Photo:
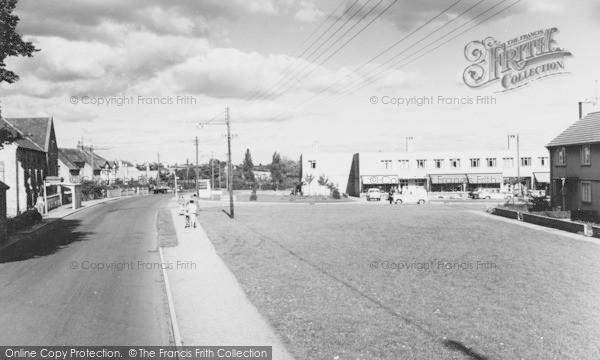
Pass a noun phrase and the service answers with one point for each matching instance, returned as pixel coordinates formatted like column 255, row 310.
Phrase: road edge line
column 172, row 314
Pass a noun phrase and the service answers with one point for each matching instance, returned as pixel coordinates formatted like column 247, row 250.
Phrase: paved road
column 51, row 296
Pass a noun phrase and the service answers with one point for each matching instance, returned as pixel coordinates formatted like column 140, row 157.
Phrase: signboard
column 380, row 179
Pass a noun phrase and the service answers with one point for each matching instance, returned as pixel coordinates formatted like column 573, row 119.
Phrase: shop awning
column 448, row 178
column 494, row 178
column 379, row 179
column 542, row 177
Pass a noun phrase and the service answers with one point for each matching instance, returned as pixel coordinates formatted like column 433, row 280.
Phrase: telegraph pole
column 196, row 172
column 229, row 165
column 212, row 168
column 158, row 170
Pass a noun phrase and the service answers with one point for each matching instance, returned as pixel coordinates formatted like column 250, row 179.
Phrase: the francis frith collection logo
column 514, row 63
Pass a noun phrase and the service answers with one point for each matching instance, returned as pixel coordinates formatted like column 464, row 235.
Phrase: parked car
column 412, row 196
column 495, row 194
column 536, row 193
column 374, row 194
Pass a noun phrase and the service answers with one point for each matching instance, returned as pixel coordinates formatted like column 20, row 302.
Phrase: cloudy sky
column 296, row 74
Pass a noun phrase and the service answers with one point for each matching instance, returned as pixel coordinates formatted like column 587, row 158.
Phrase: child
column 191, row 212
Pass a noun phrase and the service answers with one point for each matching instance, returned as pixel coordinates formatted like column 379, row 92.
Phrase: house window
column 386, row 164
column 491, row 162
column 526, row 161
column 312, row 164
column 474, row 163
column 439, row 163
column 455, row 163
column 508, row 162
column 543, row 161
column 403, row 164
column 586, row 191
column 560, row 157
column 421, row 164
column 586, row 155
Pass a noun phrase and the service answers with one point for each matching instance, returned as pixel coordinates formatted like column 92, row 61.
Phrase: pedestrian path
column 210, row 306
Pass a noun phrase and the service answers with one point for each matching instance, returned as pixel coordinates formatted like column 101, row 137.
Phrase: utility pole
column 212, row 168
column 519, row 168
column 196, row 172
column 158, row 170
column 229, row 165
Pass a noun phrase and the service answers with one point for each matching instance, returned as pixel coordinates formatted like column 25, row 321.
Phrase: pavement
column 210, row 306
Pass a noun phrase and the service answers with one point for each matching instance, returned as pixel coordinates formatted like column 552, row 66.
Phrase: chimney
column 580, row 110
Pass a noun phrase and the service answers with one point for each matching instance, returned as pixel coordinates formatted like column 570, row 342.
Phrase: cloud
column 308, row 12
column 81, row 19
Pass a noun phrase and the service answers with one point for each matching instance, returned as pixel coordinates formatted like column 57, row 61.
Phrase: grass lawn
column 412, row 282
column 288, row 199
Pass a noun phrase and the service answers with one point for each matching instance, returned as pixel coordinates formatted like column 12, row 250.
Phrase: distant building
column 436, row 171
column 575, row 170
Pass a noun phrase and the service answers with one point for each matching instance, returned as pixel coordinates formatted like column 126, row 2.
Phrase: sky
column 136, row 78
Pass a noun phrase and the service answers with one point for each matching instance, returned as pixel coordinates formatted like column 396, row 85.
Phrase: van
column 412, row 195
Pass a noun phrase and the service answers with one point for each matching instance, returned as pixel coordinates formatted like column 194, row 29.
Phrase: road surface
column 56, row 294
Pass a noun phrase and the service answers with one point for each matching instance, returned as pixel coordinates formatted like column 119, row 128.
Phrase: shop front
column 386, row 182
column 464, row 182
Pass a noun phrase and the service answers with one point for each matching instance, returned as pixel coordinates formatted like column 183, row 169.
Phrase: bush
column 336, row 194
column 539, row 204
column 253, row 196
column 28, row 218
column 589, row 216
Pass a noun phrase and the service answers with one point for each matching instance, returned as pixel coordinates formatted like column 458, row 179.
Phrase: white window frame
column 586, row 149
column 586, row 196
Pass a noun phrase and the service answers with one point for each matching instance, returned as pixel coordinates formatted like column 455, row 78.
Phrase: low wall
column 596, row 231
column 554, row 223
column 511, row 214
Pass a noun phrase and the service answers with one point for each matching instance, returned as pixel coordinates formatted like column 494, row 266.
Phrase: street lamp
column 408, row 138
column 518, row 162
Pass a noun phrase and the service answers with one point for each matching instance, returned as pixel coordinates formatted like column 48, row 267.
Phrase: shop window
column 586, row 155
column 474, row 163
column 586, row 191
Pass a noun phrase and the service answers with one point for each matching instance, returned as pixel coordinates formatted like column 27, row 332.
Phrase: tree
column 11, row 43
column 8, row 136
column 248, row 169
column 276, row 171
column 309, row 178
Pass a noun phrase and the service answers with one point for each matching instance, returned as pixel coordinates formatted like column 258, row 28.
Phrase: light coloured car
column 374, row 194
column 495, row 194
column 412, row 196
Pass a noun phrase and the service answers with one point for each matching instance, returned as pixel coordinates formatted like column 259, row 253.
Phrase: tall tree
column 248, row 169
column 276, row 170
column 11, row 43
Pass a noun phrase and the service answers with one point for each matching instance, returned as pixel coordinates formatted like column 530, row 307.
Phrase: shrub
column 253, row 196
column 539, row 204
column 23, row 220
column 336, row 194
